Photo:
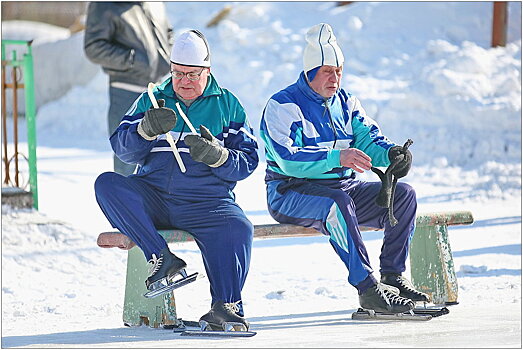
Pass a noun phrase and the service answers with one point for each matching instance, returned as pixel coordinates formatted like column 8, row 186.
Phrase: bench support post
column 431, row 264
column 137, row 309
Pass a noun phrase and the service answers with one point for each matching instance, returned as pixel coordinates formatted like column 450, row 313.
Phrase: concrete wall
column 59, row 13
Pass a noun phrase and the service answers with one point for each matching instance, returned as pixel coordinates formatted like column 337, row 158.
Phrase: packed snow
column 423, row 70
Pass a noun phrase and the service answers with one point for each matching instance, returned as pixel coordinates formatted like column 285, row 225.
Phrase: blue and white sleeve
column 238, row 138
column 368, row 136
column 127, row 144
column 283, row 130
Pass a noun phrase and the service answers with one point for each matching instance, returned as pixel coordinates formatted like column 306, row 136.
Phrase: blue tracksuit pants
column 336, row 208
column 219, row 226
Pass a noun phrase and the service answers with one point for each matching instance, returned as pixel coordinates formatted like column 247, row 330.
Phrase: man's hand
column 157, row 121
column 206, row 148
column 403, row 158
column 355, row 159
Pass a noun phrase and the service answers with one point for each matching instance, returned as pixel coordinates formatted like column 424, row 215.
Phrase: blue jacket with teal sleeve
column 304, row 133
column 221, row 112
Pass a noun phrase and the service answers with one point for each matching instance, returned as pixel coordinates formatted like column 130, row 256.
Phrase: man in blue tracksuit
column 316, row 135
column 199, row 200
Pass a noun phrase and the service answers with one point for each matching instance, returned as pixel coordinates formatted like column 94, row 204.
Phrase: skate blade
column 226, row 327
column 208, row 330
column 234, row 327
column 162, row 286
column 218, row 334
column 363, row 314
column 434, row 311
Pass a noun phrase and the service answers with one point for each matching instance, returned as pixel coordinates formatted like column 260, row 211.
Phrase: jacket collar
column 211, row 89
column 305, row 88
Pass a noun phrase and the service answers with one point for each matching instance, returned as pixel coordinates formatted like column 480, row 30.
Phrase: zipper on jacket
column 327, row 109
column 171, row 180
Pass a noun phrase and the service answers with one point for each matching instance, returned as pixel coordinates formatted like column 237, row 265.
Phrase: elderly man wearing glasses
column 195, row 193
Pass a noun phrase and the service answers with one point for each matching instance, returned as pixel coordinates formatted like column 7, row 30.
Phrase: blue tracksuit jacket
column 221, row 112
column 304, row 133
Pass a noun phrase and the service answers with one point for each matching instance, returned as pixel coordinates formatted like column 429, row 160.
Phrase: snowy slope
column 442, row 86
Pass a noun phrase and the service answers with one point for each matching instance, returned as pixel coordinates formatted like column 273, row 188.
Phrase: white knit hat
column 191, row 49
column 322, row 48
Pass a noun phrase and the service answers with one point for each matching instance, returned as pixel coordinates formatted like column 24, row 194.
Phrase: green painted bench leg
column 432, row 267
column 138, row 310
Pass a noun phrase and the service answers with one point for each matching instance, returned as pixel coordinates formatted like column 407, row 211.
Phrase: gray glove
column 206, row 148
column 157, row 121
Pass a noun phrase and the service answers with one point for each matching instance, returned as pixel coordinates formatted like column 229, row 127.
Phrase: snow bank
column 458, row 102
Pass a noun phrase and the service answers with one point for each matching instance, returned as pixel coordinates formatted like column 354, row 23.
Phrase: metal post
column 30, row 115
column 4, row 118
column 15, row 119
column 499, row 24
column 30, row 111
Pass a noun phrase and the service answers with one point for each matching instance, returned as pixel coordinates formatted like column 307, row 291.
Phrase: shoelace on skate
column 232, row 307
column 156, row 264
column 407, row 285
column 388, row 294
column 392, row 289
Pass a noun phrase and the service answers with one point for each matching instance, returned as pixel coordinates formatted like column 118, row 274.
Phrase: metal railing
column 26, row 66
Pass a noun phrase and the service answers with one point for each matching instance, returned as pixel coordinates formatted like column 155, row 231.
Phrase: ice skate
column 383, row 298
column 222, row 321
column 406, row 289
column 162, row 271
column 223, row 317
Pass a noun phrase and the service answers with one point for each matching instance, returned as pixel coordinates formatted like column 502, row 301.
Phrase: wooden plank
column 448, row 218
column 117, row 239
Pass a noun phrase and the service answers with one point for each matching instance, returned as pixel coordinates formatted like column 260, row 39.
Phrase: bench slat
column 117, row 239
column 448, row 218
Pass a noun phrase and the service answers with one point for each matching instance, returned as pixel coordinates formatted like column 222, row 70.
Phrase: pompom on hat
column 322, row 48
column 191, row 49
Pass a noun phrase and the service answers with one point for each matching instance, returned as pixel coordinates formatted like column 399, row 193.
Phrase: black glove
column 400, row 160
column 157, row 121
column 206, row 148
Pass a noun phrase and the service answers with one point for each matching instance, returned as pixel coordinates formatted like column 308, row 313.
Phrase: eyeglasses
column 192, row 76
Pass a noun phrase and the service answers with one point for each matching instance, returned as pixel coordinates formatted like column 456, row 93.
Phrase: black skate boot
column 405, row 287
column 223, row 317
column 164, row 267
column 385, row 299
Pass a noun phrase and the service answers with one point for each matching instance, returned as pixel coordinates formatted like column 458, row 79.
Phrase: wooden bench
column 432, row 267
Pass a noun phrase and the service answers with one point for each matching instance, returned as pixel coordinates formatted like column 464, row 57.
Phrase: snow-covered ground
column 423, row 70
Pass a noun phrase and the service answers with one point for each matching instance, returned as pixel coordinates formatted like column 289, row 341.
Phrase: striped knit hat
column 322, row 48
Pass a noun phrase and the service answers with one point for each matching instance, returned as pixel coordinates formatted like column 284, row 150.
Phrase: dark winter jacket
column 130, row 40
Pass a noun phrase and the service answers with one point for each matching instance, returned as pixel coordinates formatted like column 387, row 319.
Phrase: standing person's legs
column 224, row 235
column 330, row 211
column 396, row 239
column 119, row 102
